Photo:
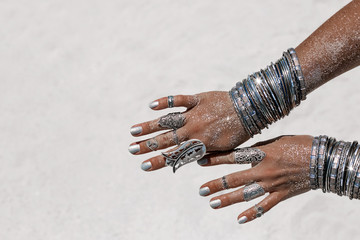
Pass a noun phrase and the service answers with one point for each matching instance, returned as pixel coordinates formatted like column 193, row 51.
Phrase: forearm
column 333, row 48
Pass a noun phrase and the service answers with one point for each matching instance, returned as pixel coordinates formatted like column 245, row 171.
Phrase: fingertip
column 203, row 161
column 215, row 203
column 134, row 148
column 242, row 219
column 146, row 165
column 136, row 130
column 204, row 191
column 154, row 104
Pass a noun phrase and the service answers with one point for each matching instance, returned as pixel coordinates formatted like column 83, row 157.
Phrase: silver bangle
column 268, row 95
column 313, row 163
column 321, row 161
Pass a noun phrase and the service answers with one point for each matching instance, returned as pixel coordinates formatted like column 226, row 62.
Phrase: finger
column 259, row 209
column 145, row 128
column 217, row 159
column 233, row 180
column 154, row 125
column 161, row 141
column 239, row 156
column 153, row 163
column 188, row 101
column 235, row 197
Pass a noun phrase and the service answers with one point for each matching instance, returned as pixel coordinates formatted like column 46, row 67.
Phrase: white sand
column 75, row 75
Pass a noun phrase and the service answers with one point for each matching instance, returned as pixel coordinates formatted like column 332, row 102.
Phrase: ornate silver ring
column 152, row 144
column 170, row 101
column 259, row 211
column 248, row 155
column 187, row 152
column 224, row 183
column 253, row 191
column 172, row 121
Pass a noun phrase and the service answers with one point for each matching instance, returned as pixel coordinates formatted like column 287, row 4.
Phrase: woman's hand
column 210, row 117
column 283, row 173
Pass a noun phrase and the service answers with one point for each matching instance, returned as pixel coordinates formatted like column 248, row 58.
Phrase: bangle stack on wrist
column 335, row 166
column 270, row 94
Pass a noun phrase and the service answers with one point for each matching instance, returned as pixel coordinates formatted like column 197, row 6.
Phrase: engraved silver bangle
column 269, row 94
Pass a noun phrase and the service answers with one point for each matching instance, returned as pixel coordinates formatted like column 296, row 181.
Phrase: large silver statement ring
column 170, row 101
column 224, row 183
column 248, row 155
column 152, row 144
column 187, row 152
column 253, row 191
column 259, row 211
column 172, row 121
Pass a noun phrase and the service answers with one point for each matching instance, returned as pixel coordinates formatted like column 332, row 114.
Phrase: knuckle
column 180, row 98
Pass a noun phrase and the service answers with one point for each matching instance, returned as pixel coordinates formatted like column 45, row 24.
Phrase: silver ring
column 259, row 211
column 170, row 101
column 175, row 137
column 152, row 144
column 253, row 191
column 189, row 151
column 248, row 155
column 172, row 121
column 224, row 183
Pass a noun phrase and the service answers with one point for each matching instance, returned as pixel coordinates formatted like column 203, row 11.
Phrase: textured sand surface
column 75, row 75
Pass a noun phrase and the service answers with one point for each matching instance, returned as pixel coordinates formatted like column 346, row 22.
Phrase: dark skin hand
column 210, row 117
column 283, row 173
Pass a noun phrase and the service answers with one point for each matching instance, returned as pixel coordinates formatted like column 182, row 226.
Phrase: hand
column 283, row 173
column 210, row 117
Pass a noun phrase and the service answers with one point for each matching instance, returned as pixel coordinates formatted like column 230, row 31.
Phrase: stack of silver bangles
column 270, row 94
column 335, row 166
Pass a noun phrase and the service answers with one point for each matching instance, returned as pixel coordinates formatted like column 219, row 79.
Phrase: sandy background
column 75, row 75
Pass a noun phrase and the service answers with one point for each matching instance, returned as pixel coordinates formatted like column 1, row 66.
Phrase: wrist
column 269, row 94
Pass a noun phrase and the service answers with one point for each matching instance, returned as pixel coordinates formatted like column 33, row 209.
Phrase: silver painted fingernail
column 242, row 220
column 204, row 191
column 136, row 130
column 146, row 166
column 154, row 104
column 134, row 148
column 202, row 161
column 215, row 203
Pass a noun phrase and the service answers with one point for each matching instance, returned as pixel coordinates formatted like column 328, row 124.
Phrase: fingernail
column 204, row 191
column 154, row 104
column 215, row 203
column 146, row 166
column 136, row 130
column 203, row 161
column 134, row 148
column 242, row 220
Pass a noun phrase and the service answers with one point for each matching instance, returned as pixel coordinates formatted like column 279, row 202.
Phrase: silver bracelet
column 313, row 163
column 321, row 160
column 270, row 94
column 335, row 166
